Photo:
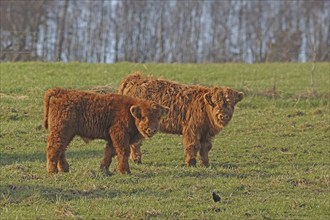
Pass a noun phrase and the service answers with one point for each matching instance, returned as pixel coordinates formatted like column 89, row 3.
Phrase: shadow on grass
column 11, row 158
column 19, row 193
column 152, row 170
column 203, row 175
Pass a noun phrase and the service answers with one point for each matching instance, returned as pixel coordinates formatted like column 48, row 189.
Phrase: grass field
column 271, row 162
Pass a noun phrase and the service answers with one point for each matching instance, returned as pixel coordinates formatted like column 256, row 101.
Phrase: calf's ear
column 135, row 111
column 239, row 97
column 208, row 99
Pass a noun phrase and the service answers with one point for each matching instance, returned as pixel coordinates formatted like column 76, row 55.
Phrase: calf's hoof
column 135, row 158
column 105, row 170
column 191, row 163
column 205, row 164
column 63, row 168
column 137, row 161
column 124, row 171
column 52, row 168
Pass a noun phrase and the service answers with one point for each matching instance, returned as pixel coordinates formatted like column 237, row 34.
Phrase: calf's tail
column 48, row 94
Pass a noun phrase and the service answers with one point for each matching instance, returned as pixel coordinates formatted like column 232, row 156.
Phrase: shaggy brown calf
column 118, row 119
column 196, row 112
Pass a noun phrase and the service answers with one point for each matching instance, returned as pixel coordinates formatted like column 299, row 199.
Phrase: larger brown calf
column 196, row 112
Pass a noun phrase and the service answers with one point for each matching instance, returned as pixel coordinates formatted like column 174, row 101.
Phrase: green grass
column 271, row 162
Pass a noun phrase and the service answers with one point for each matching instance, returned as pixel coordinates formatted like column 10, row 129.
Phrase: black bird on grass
column 216, row 197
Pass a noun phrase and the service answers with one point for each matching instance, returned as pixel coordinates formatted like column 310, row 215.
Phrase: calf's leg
column 204, row 153
column 52, row 154
column 135, row 154
column 192, row 147
column 109, row 153
column 120, row 142
column 62, row 164
column 55, row 152
column 123, row 165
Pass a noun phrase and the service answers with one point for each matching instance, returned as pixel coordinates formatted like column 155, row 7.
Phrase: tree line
column 185, row 31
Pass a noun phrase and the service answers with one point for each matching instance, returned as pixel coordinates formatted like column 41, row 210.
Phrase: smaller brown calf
column 118, row 119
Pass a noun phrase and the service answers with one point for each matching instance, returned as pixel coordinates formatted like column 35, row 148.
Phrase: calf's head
column 147, row 116
column 221, row 103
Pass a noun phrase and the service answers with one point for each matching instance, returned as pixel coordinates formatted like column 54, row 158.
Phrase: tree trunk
column 60, row 31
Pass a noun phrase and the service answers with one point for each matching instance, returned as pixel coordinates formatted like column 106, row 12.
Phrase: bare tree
column 165, row 31
column 19, row 28
column 60, row 30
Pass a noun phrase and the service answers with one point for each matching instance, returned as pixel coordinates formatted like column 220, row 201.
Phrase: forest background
column 165, row 31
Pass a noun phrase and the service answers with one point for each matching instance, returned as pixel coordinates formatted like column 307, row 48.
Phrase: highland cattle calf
column 196, row 112
column 118, row 119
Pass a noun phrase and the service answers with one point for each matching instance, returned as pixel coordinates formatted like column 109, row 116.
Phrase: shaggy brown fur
column 118, row 119
column 196, row 112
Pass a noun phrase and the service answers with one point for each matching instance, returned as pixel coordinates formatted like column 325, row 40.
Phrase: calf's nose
column 151, row 131
column 224, row 117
